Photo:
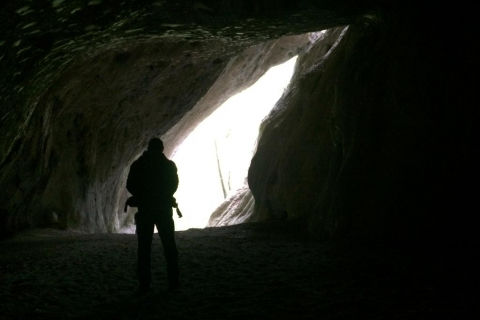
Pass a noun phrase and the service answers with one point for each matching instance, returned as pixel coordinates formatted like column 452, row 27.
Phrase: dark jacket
column 152, row 181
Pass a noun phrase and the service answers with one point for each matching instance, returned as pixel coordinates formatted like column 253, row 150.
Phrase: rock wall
column 240, row 72
column 373, row 140
column 99, row 113
column 79, row 78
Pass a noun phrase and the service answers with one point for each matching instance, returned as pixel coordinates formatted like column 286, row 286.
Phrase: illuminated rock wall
column 98, row 114
column 86, row 83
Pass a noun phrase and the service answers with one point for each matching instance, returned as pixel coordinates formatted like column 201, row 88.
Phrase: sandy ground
column 250, row 271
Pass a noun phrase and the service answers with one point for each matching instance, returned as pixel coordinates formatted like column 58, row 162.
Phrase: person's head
column 155, row 145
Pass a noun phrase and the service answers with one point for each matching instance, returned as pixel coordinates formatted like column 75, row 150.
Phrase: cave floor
column 253, row 271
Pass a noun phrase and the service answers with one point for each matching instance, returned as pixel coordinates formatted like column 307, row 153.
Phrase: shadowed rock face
column 374, row 141
column 373, row 130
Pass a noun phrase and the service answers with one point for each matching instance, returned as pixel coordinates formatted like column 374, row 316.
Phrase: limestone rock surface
column 373, row 139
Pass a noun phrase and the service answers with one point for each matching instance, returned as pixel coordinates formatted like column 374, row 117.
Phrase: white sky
column 233, row 127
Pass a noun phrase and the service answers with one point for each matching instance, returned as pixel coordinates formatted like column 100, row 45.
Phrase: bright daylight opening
column 213, row 160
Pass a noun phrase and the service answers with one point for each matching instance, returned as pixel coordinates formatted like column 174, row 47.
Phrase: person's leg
column 166, row 231
column 144, row 232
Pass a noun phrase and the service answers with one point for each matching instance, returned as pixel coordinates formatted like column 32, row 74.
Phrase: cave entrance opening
column 213, row 160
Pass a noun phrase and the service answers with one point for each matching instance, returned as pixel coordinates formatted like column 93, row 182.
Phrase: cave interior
column 371, row 146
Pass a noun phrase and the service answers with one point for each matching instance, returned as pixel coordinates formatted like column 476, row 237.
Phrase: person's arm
column 131, row 202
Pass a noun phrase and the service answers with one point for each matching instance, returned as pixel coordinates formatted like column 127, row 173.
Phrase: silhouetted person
column 152, row 181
